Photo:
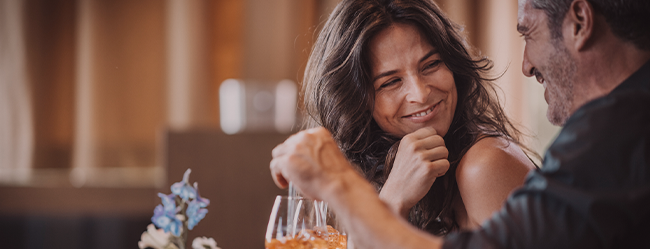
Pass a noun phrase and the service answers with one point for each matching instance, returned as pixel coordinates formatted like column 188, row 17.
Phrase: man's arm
column 530, row 219
column 369, row 221
column 313, row 162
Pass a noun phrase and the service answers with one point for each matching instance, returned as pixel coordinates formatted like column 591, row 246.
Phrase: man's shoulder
column 602, row 139
column 629, row 108
column 628, row 100
column 607, row 121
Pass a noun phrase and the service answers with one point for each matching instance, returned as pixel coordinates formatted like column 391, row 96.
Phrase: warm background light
column 102, row 102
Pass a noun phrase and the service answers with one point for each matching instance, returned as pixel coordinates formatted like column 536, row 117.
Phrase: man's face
column 548, row 59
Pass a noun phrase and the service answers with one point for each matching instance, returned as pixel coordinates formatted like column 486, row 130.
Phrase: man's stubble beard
column 560, row 79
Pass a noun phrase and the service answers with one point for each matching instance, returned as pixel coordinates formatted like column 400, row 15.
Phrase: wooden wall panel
column 227, row 28
column 49, row 37
column 120, row 82
column 232, row 171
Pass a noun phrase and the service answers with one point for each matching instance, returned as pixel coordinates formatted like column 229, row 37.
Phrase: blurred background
column 105, row 103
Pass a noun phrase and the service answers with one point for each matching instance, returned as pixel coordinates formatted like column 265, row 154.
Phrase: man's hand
column 312, row 161
column 421, row 158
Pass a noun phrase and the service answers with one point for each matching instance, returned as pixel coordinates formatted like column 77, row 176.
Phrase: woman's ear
column 579, row 24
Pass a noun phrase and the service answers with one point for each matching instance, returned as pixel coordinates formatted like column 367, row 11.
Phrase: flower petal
column 196, row 216
column 162, row 222
column 168, row 202
column 203, row 243
column 203, row 202
column 176, row 188
column 186, row 176
column 183, row 190
column 175, row 227
column 158, row 235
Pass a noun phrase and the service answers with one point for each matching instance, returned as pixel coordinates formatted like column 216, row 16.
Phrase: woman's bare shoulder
column 488, row 173
column 493, row 156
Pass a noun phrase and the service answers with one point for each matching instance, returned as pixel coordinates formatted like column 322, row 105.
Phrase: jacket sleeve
column 593, row 190
column 530, row 220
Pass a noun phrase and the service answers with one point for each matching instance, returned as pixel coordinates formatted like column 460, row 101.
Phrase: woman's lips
column 424, row 115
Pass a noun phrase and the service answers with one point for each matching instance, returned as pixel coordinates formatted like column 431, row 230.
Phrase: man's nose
column 526, row 67
column 418, row 91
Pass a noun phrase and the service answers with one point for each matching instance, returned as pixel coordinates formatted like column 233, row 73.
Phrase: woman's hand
column 421, row 158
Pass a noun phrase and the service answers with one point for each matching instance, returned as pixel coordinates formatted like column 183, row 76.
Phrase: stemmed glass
column 298, row 222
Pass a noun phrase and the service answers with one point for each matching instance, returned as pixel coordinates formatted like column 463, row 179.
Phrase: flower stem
column 184, row 232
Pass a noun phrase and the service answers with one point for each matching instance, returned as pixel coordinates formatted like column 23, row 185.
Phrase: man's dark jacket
column 593, row 190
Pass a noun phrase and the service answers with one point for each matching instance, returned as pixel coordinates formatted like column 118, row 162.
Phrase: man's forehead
column 520, row 6
column 523, row 15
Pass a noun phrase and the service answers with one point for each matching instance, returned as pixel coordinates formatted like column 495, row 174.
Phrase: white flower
column 204, row 243
column 155, row 238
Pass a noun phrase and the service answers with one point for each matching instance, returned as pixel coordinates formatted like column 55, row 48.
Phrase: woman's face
column 413, row 86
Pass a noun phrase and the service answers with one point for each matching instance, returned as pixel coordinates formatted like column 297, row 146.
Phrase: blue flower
column 195, row 209
column 169, row 202
column 164, row 216
column 195, row 213
column 203, row 202
column 183, row 188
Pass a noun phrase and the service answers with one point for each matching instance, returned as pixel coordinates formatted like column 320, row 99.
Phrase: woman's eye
column 389, row 83
column 432, row 64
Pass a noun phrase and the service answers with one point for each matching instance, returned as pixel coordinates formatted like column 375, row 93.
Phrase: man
column 593, row 191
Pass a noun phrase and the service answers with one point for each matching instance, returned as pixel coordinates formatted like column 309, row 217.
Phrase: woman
column 395, row 85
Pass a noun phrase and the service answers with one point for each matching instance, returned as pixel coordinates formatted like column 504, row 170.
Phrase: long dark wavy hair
column 338, row 94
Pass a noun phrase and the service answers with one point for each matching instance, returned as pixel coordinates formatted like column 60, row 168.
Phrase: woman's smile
column 424, row 115
column 413, row 86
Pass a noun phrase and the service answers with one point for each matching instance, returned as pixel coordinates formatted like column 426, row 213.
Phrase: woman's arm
column 421, row 158
column 487, row 174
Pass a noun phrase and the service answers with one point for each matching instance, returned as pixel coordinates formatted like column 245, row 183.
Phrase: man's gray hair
column 628, row 19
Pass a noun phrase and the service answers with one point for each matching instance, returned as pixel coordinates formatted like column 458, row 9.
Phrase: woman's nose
column 418, row 91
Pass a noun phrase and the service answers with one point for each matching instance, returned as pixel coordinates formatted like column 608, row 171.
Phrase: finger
column 420, row 134
column 426, row 143
column 278, row 150
column 438, row 168
column 436, row 153
column 316, row 136
column 289, row 143
column 431, row 142
column 276, row 174
column 424, row 132
column 318, row 130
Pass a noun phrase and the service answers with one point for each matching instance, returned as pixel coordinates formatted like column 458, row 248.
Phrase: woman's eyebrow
column 383, row 75
column 426, row 56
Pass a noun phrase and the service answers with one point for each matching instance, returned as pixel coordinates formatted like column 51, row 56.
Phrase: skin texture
column 584, row 64
column 410, row 78
column 555, row 68
column 487, row 174
column 420, row 159
column 312, row 161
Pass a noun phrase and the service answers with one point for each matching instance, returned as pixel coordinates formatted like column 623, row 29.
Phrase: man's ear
column 579, row 24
